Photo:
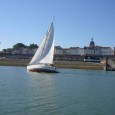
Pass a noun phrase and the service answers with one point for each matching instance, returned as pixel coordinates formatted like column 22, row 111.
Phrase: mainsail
column 45, row 52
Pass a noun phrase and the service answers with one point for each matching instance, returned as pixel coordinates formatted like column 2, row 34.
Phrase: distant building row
column 91, row 50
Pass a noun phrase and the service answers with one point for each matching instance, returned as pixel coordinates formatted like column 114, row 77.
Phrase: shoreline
column 58, row 64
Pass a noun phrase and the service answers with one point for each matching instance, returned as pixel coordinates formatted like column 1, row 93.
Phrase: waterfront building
column 58, row 50
column 106, row 51
column 92, row 49
column 29, row 51
column 72, row 53
column 80, row 51
column 26, row 51
column 17, row 51
column 76, row 51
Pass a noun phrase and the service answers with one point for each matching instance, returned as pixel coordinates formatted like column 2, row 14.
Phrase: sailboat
column 42, row 61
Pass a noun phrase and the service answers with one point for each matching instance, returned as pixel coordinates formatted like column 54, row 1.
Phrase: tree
column 19, row 45
column 4, row 50
column 7, row 50
column 32, row 46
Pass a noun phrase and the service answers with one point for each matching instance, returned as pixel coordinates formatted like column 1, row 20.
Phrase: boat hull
column 42, row 68
column 92, row 60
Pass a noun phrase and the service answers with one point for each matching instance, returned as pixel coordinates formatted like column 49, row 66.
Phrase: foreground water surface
column 70, row 92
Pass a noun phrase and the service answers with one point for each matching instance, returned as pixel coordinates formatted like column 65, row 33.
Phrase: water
column 71, row 92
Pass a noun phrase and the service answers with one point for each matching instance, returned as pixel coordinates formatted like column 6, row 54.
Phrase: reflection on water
column 42, row 91
column 70, row 92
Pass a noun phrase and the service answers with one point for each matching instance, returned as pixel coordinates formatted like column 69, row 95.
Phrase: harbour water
column 70, row 92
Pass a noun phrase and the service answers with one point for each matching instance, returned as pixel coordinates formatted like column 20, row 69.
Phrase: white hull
column 91, row 60
column 42, row 68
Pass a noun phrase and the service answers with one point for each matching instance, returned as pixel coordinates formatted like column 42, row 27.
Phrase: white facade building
column 91, row 50
column 29, row 51
column 76, row 51
column 80, row 51
column 58, row 50
column 72, row 50
column 24, row 51
column 106, row 51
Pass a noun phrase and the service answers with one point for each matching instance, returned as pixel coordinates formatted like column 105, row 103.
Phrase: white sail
column 45, row 52
column 48, row 59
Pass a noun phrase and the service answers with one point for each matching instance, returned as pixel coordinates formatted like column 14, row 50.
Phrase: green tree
column 32, row 46
column 4, row 50
column 19, row 45
column 7, row 50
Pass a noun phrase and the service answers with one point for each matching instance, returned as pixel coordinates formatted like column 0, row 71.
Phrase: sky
column 76, row 22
